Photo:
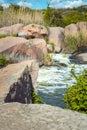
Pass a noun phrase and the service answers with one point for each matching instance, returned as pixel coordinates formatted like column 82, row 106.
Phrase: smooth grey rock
column 17, row 116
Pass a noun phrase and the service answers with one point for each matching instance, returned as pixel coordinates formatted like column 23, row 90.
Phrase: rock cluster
column 17, row 81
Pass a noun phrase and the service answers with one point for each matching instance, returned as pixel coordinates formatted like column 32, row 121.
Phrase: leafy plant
column 3, row 60
column 37, row 99
column 2, row 36
column 14, row 35
column 76, row 95
column 53, row 45
column 47, row 59
column 46, row 39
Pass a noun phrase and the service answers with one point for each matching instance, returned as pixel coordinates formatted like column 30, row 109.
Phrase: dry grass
column 10, row 17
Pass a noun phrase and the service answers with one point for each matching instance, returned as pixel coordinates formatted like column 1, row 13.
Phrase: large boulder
column 10, row 41
column 15, row 116
column 71, row 30
column 56, row 36
column 20, row 49
column 23, row 52
column 33, row 31
column 39, row 43
column 82, row 28
column 11, row 30
column 80, row 58
column 17, row 81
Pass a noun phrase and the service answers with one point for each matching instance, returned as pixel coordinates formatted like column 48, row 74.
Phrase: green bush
column 46, row 39
column 53, row 45
column 3, row 60
column 47, row 59
column 37, row 99
column 76, row 95
column 2, row 36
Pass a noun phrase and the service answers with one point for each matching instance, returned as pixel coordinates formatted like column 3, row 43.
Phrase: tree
column 1, row 8
column 14, row 7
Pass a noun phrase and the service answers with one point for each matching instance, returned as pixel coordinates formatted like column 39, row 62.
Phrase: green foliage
column 46, row 39
column 47, row 59
column 2, row 36
column 1, row 8
column 76, row 95
column 14, row 7
column 53, row 45
column 64, row 17
column 37, row 99
column 14, row 35
column 3, row 60
column 47, row 15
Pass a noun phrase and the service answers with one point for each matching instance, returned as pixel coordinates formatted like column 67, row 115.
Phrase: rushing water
column 53, row 80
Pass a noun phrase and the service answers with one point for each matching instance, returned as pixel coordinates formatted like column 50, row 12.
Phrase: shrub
column 3, row 61
column 53, row 45
column 2, row 36
column 46, row 39
column 76, row 95
column 37, row 99
column 47, row 59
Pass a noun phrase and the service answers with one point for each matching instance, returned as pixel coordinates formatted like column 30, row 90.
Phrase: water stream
column 53, row 80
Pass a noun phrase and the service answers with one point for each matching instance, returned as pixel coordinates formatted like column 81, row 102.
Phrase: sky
column 42, row 4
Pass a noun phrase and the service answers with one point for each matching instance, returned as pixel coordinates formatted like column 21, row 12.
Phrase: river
column 53, row 80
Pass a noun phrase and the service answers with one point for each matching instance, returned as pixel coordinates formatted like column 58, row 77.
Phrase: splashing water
column 53, row 80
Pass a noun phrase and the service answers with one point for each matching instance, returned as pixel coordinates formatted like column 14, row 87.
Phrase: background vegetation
column 50, row 16
column 78, row 43
column 16, row 14
column 64, row 17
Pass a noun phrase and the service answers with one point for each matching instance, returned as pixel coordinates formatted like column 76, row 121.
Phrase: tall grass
column 10, row 16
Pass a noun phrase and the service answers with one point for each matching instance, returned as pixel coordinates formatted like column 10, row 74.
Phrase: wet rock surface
column 15, row 116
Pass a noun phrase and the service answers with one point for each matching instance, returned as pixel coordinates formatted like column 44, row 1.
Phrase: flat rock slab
column 8, row 42
column 11, row 30
column 15, row 116
column 11, row 74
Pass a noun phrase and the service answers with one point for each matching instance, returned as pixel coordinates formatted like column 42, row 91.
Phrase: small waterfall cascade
column 53, row 80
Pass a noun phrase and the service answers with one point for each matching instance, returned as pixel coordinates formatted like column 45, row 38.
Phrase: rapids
column 53, row 80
